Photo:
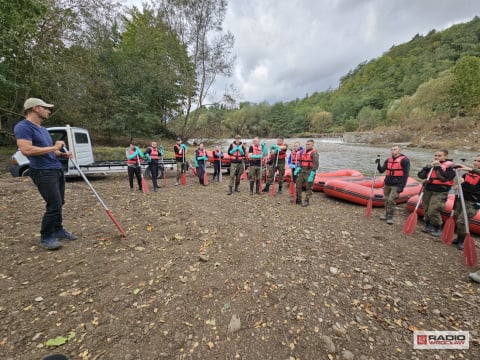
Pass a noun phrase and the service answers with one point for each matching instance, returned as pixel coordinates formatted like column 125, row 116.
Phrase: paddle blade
column 368, row 211
column 117, row 224
column 291, row 188
column 244, row 175
column 194, row 171
column 410, row 223
column 144, row 186
column 183, row 179
column 469, row 251
column 205, row 178
column 164, row 178
column 448, row 231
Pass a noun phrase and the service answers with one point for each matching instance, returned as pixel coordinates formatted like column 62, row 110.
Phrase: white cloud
column 288, row 48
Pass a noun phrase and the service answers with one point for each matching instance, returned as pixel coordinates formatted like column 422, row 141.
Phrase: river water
column 335, row 154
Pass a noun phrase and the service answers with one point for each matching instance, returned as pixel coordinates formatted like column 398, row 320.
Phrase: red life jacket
column 434, row 178
column 282, row 154
column 237, row 155
column 201, row 153
column 295, row 156
column 178, row 156
column 394, row 166
column 154, row 153
column 215, row 154
column 133, row 161
column 306, row 161
column 471, row 183
column 257, row 150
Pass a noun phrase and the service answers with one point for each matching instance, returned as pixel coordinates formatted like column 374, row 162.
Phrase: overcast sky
column 289, row 48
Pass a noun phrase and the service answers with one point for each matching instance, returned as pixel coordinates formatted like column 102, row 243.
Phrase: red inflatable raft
column 474, row 223
column 322, row 177
column 360, row 191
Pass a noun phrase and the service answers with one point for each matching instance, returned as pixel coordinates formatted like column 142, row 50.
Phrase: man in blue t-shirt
column 35, row 142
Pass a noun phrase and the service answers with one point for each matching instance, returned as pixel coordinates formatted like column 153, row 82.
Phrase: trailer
column 79, row 144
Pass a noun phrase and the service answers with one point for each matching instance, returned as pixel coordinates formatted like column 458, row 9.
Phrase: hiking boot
column 176, row 183
column 383, row 217
column 306, row 203
column 64, row 234
column 436, row 231
column 266, row 188
column 230, row 192
column 49, row 242
column 475, row 276
column 389, row 221
column 428, row 228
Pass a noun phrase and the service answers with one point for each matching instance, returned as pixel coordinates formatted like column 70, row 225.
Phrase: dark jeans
column 137, row 171
column 216, row 168
column 51, row 185
column 154, row 172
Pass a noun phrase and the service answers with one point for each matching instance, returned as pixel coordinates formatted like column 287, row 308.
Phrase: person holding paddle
column 278, row 156
column 294, row 158
column 256, row 152
column 134, row 154
column 397, row 168
column 35, row 142
column 471, row 194
column 201, row 159
column 305, row 173
column 436, row 188
column 153, row 153
column 217, row 162
column 180, row 150
column 237, row 152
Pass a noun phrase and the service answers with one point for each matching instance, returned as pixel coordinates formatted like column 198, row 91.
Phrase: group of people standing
column 35, row 142
column 439, row 178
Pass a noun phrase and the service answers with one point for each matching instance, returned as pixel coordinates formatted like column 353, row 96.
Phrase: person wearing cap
column 180, row 151
column 134, row 156
column 35, row 142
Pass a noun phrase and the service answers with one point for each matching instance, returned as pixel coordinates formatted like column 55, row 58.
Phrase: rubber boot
column 257, row 187
column 280, row 188
column 297, row 201
column 251, row 187
column 266, row 188
column 230, row 192
column 428, row 228
column 458, row 242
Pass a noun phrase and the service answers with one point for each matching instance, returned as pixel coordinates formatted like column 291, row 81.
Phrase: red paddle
column 368, row 210
column 411, row 222
column 183, row 176
column 274, row 176
column 291, row 187
column 448, row 231
column 469, row 249
column 244, row 173
column 144, row 183
column 205, row 175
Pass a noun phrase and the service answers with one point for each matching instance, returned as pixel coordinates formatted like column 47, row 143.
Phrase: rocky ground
column 203, row 275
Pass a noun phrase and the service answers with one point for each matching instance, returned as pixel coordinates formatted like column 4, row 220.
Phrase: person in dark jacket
column 397, row 168
column 439, row 177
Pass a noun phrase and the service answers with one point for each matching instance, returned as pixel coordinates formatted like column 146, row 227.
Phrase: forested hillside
column 430, row 83
column 128, row 72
